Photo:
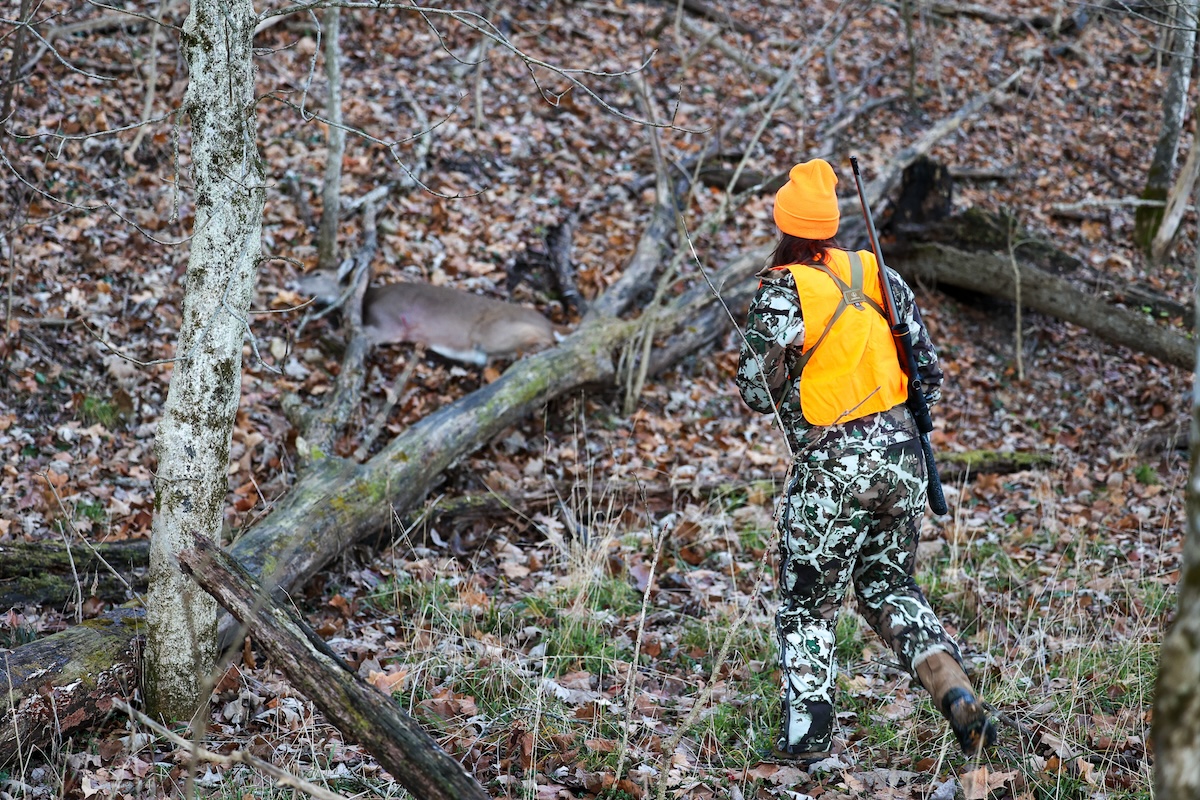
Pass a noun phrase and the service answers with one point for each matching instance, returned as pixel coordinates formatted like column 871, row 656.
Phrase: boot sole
column 970, row 722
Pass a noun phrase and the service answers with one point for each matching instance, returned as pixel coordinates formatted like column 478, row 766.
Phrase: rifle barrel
column 918, row 406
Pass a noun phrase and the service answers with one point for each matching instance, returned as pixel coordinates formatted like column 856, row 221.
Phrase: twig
column 376, row 195
column 1030, row 737
column 901, row 160
column 9, row 328
column 631, row 679
column 480, row 64
column 281, row 776
column 1016, row 269
column 86, row 543
column 972, row 10
column 982, row 173
column 12, row 703
column 1114, row 202
column 718, row 16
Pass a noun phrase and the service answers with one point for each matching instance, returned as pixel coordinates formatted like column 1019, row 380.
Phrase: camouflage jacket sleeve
column 927, row 359
column 766, row 360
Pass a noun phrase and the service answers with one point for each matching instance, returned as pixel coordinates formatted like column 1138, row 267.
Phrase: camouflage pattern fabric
column 850, row 519
column 851, row 514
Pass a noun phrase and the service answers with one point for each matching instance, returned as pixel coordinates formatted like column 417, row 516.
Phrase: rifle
column 908, row 362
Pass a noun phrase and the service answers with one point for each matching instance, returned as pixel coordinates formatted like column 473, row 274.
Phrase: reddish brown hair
column 795, row 250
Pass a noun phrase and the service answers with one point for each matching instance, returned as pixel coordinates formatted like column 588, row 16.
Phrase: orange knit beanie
column 807, row 204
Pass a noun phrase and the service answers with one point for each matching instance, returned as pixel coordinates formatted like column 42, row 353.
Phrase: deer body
column 451, row 322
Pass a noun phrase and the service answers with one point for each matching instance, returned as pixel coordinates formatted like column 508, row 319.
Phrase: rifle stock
column 917, row 405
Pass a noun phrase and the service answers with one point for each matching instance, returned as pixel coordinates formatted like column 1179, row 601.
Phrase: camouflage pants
column 853, row 517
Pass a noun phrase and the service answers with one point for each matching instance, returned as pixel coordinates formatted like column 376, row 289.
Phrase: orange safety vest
column 848, row 366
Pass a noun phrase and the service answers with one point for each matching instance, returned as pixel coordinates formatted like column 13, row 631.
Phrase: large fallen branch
column 993, row 275
column 66, row 682
column 357, row 710
column 979, row 229
column 47, row 574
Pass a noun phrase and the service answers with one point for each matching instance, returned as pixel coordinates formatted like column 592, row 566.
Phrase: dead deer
column 453, row 323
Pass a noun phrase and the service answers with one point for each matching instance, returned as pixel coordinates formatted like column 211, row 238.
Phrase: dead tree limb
column 992, row 274
column 67, row 682
column 963, row 466
column 45, row 574
column 359, row 711
column 558, row 249
column 319, row 427
column 713, row 14
column 978, row 229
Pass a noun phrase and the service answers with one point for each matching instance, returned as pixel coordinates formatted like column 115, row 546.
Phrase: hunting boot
column 951, row 692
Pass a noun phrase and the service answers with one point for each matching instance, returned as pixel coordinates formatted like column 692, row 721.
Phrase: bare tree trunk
column 194, row 435
column 17, row 60
column 1176, row 728
column 1177, row 202
column 335, row 138
column 1175, row 103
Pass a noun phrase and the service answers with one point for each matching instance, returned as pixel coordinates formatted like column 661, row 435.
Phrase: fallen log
column 979, row 229
column 68, row 681
column 358, row 710
column 963, row 466
column 995, row 275
column 46, row 574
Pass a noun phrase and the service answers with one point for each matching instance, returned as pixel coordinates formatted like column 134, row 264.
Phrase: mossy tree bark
column 193, row 439
column 992, row 274
column 1176, row 729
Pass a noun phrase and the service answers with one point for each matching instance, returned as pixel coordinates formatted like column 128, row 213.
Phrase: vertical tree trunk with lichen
column 1175, row 105
column 193, row 439
column 1177, row 694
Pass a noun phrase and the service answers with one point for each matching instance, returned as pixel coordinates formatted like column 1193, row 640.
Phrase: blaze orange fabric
column 807, row 206
column 855, row 371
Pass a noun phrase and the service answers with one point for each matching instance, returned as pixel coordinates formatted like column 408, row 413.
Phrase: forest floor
column 617, row 642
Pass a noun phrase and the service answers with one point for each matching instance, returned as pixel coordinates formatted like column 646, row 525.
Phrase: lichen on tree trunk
column 1176, row 727
column 193, row 439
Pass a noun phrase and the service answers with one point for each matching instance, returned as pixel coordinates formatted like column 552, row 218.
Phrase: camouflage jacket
column 773, row 338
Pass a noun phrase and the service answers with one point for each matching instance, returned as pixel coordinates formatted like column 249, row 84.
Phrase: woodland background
column 557, row 642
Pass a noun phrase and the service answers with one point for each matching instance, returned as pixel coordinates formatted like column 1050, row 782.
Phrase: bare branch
column 281, row 776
